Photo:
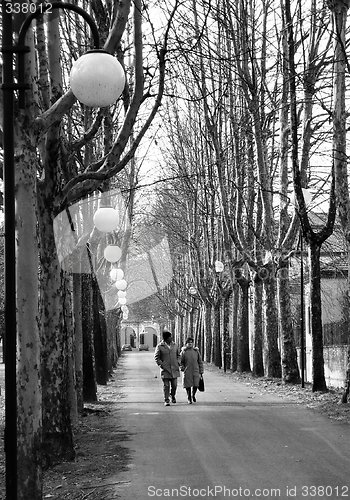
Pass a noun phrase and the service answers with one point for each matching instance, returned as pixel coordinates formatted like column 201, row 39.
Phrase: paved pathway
column 233, row 443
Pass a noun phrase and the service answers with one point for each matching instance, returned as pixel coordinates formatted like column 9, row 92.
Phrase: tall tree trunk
column 273, row 361
column 290, row 369
column 111, row 323
column 258, row 358
column 217, row 357
column 226, row 345
column 315, row 240
column 318, row 377
column 57, row 431
column 181, row 330
column 70, row 333
column 339, row 10
column 89, row 371
column 29, row 395
column 243, row 361
column 78, row 328
column 235, row 326
column 346, row 391
column 118, row 326
column 100, row 336
column 207, row 330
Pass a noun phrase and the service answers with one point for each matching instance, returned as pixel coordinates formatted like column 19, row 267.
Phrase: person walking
column 167, row 357
column 191, row 365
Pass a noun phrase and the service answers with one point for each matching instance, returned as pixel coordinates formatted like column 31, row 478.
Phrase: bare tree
column 50, row 166
column 339, row 11
column 315, row 239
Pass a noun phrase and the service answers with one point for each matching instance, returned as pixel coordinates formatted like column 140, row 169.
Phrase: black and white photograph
column 174, row 249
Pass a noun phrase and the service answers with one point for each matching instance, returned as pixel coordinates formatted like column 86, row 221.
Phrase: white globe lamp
column 97, row 78
column 121, row 284
column 113, row 274
column 112, row 253
column 120, row 274
column 122, row 301
column 121, row 293
column 116, row 274
column 106, row 219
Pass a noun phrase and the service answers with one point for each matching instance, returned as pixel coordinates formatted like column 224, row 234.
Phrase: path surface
column 233, row 443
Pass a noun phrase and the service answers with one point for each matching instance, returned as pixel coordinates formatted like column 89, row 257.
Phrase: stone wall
column 335, row 359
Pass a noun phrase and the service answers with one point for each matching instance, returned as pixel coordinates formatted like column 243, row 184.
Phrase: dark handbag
column 201, row 384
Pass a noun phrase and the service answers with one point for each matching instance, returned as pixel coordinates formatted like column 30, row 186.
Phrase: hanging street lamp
column 106, row 219
column 97, row 79
column 116, row 274
column 121, row 284
column 112, row 253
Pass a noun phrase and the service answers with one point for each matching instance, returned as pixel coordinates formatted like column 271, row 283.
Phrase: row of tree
column 251, row 91
column 65, row 152
column 257, row 109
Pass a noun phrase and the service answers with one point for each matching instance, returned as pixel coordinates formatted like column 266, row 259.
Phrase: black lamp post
column 115, row 77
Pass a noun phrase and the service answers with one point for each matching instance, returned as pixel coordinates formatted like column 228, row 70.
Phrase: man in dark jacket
column 167, row 357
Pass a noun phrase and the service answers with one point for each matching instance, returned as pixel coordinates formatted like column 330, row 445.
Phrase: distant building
column 136, row 333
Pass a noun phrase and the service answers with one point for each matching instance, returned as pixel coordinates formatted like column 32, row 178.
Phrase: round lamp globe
column 97, row 79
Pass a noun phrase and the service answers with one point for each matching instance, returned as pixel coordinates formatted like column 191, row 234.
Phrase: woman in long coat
column 191, row 365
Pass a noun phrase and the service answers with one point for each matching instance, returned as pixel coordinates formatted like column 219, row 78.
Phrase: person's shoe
column 173, row 399
column 166, row 403
column 190, row 401
column 194, row 398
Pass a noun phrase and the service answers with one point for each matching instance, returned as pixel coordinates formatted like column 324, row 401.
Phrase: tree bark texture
column 243, row 361
column 290, row 368
column 273, row 358
column 226, row 344
column 111, row 325
column 339, row 10
column 258, row 358
column 235, row 326
column 29, row 391
column 100, row 336
column 208, row 329
column 57, row 431
column 89, row 371
column 70, row 334
column 217, row 355
column 318, row 377
column 77, row 312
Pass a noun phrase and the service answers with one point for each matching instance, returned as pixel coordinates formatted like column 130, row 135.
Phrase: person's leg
column 194, row 390
column 173, row 389
column 189, row 397
column 166, row 390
